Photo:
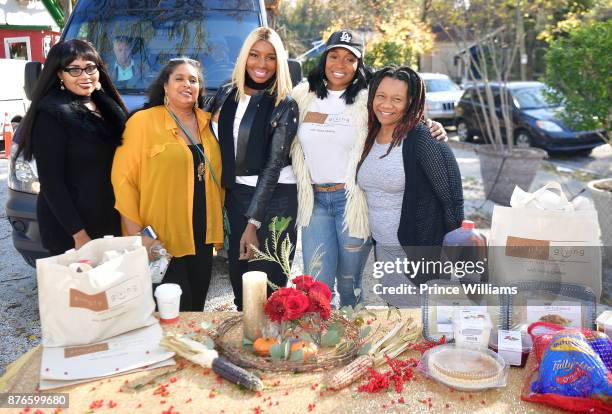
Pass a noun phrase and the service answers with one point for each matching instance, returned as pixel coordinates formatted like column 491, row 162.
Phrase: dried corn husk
column 396, row 341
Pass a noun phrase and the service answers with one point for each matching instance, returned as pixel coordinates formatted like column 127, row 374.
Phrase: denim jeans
column 341, row 257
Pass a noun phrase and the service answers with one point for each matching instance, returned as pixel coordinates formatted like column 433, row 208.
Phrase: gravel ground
column 19, row 320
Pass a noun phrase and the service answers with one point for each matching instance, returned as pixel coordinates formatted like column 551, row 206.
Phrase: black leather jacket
column 283, row 124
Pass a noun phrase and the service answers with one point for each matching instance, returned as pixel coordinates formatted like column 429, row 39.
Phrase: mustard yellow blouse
column 153, row 179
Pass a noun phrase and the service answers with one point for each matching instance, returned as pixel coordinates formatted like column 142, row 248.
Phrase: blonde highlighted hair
column 282, row 85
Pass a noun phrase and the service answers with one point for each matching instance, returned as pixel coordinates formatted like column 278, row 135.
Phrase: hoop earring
column 165, row 100
column 62, row 85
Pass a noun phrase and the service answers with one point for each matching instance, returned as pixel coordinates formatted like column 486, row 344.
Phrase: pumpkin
column 308, row 348
column 262, row 345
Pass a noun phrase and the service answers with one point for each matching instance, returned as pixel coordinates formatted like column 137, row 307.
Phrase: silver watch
column 255, row 223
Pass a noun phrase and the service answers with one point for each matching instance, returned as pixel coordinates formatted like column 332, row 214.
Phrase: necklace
column 201, row 168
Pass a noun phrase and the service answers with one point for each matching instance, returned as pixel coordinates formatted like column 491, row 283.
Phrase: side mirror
column 31, row 74
column 295, row 70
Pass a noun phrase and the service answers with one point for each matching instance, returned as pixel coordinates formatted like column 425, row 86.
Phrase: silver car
column 441, row 96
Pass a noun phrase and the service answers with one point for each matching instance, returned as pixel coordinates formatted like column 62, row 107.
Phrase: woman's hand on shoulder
column 248, row 239
column 437, row 130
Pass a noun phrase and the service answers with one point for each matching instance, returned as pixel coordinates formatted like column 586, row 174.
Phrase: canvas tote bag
column 545, row 237
column 112, row 298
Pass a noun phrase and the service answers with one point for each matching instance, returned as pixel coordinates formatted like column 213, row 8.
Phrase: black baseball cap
column 347, row 40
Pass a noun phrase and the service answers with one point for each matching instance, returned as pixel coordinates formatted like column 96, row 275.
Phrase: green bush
column 578, row 68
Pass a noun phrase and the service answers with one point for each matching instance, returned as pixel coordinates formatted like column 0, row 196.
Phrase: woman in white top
column 333, row 127
column 256, row 121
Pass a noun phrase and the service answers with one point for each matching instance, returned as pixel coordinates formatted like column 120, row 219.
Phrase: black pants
column 282, row 204
column 193, row 272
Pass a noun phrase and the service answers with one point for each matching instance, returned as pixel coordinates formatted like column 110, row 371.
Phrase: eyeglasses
column 75, row 71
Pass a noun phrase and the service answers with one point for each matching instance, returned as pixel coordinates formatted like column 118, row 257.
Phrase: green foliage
column 301, row 23
column 389, row 52
column 578, row 68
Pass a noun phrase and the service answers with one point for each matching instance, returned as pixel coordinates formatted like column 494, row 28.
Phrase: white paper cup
column 168, row 296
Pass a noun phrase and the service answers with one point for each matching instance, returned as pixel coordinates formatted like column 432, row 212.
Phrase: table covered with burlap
column 188, row 388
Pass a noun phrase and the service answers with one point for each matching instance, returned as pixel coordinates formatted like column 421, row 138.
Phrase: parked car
column 13, row 100
column 441, row 96
column 536, row 122
column 156, row 31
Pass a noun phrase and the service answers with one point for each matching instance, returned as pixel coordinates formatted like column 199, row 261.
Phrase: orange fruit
column 262, row 345
column 308, row 348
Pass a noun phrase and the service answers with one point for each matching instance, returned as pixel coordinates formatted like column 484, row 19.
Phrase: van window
column 137, row 41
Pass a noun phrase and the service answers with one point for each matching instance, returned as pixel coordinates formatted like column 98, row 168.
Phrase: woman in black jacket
column 72, row 129
column 412, row 182
column 256, row 121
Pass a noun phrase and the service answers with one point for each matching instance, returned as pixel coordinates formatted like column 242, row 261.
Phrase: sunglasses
column 75, row 71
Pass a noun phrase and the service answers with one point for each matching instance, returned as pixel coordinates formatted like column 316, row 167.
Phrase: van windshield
column 136, row 43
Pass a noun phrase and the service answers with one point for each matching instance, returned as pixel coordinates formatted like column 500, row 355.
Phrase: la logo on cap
column 346, row 37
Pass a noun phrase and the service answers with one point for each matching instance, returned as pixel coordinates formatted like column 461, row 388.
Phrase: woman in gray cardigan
column 412, row 182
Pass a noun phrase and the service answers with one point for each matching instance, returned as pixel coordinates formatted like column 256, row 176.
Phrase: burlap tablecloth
column 193, row 389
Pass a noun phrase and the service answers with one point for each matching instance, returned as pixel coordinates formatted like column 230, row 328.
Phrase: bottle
column 160, row 258
column 159, row 263
column 466, row 249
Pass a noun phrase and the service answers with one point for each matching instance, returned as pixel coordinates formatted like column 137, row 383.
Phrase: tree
column 301, row 23
column 578, row 69
column 394, row 30
column 485, row 31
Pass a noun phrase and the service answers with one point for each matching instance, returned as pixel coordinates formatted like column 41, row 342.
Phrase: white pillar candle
column 254, row 295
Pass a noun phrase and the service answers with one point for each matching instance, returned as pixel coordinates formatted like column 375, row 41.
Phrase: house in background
column 443, row 57
column 27, row 30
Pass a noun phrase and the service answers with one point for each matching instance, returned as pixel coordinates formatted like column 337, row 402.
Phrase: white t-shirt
column 286, row 174
column 327, row 136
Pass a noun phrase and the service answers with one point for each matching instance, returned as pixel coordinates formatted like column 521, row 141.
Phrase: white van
column 12, row 95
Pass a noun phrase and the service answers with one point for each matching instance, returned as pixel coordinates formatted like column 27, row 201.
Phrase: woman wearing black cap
column 333, row 128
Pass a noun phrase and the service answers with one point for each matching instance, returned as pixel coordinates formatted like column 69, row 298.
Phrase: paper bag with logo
column 545, row 237
column 79, row 308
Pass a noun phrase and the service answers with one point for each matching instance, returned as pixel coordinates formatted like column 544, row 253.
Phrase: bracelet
column 255, row 223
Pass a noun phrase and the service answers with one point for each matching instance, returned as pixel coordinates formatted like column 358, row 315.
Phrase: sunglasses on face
column 76, row 71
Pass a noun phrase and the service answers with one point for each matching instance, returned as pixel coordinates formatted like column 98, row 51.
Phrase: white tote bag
column 545, row 237
column 112, row 298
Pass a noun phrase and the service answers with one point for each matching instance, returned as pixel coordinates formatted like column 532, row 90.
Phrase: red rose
column 303, row 282
column 322, row 289
column 275, row 306
column 319, row 304
column 295, row 306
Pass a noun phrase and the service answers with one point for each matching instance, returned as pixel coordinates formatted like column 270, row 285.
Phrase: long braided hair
column 415, row 112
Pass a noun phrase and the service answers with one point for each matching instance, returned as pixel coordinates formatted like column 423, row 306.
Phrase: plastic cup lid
column 168, row 290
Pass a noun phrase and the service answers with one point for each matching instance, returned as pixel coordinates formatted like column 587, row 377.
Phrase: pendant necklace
column 201, row 166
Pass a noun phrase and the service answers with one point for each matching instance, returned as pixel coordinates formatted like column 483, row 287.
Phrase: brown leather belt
column 328, row 189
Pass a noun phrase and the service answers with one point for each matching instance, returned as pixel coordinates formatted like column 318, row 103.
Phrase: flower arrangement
column 291, row 303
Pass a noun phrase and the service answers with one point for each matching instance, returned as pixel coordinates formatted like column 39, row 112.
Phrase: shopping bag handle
column 536, row 195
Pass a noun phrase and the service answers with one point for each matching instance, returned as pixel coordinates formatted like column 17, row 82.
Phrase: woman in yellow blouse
column 166, row 175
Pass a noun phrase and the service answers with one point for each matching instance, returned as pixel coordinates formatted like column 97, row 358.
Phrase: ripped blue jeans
column 341, row 258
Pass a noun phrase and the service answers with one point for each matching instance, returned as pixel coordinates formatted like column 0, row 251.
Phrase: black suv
column 536, row 122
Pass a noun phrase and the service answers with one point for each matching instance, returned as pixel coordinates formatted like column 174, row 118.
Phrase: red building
column 27, row 42
column 27, row 31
